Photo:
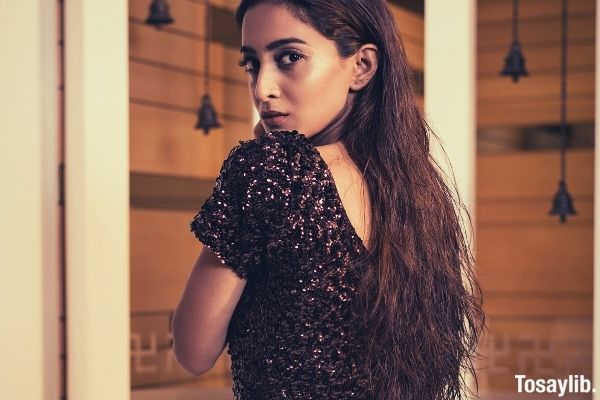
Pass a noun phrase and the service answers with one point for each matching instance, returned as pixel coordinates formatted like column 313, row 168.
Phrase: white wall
column 450, row 94
column 97, row 199
column 29, row 202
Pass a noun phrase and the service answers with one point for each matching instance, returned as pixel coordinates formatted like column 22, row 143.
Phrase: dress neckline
column 336, row 192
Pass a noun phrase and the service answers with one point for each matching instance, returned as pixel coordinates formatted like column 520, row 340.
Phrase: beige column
column 29, row 257
column 450, row 92
column 97, row 199
column 596, row 365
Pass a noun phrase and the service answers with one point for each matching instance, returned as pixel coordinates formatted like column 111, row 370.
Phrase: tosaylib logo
column 571, row 384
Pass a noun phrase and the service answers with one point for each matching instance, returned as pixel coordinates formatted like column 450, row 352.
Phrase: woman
column 334, row 262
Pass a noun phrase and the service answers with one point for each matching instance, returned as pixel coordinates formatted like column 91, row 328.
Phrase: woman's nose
column 265, row 86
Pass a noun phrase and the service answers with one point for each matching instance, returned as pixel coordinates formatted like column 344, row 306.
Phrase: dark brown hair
column 419, row 299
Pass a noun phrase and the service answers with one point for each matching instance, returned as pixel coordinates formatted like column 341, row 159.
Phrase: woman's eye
column 285, row 59
column 292, row 57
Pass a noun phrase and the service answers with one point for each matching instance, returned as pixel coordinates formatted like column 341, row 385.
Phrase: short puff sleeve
column 237, row 219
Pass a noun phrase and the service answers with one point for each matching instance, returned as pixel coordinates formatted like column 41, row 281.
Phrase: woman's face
column 292, row 69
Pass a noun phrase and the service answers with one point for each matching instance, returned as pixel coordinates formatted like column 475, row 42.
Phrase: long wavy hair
column 420, row 302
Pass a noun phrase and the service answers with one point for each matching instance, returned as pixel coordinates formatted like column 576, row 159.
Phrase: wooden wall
column 536, row 273
column 412, row 33
column 534, row 99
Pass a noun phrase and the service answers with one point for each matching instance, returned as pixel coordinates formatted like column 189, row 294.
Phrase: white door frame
column 29, row 234
column 97, row 199
column 450, row 50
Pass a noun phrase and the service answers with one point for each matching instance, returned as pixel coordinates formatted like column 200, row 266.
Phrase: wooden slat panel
column 517, row 251
column 168, row 192
column 151, row 83
column 533, row 174
column 540, row 60
column 163, row 251
column 224, row 61
column 228, row 4
column 493, row 90
column 189, row 16
column 502, row 10
column 522, row 211
column 412, row 30
column 499, row 139
column 523, row 111
column 551, row 259
column 523, row 305
column 146, row 43
column 164, row 141
column 415, row 54
column 409, row 23
column 535, row 32
column 535, row 99
column 536, row 274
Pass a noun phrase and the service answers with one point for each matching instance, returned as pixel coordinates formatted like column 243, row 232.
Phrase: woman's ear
column 365, row 66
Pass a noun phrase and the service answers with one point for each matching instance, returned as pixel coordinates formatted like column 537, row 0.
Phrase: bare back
column 351, row 187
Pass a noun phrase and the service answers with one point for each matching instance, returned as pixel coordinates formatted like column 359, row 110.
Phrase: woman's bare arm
column 202, row 316
column 201, row 319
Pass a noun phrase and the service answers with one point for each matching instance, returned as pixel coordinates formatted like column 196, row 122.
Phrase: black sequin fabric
column 275, row 218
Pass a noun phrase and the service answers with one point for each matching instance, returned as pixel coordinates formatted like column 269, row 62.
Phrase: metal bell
column 514, row 62
column 159, row 14
column 207, row 116
column 563, row 203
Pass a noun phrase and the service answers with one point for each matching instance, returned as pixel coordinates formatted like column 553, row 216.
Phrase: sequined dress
column 276, row 218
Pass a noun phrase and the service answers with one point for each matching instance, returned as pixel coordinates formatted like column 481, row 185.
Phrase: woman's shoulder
column 267, row 170
column 275, row 151
column 272, row 141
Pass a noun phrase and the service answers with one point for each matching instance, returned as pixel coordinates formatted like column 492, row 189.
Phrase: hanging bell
column 207, row 116
column 159, row 14
column 514, row 62
column 563, row 203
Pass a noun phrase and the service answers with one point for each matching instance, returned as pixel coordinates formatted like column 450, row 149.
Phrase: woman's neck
column 335, row 129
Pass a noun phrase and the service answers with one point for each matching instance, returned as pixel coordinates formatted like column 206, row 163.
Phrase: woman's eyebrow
column 273, row 45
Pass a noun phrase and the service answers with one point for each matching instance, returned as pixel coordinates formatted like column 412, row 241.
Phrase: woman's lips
column 275, row 121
